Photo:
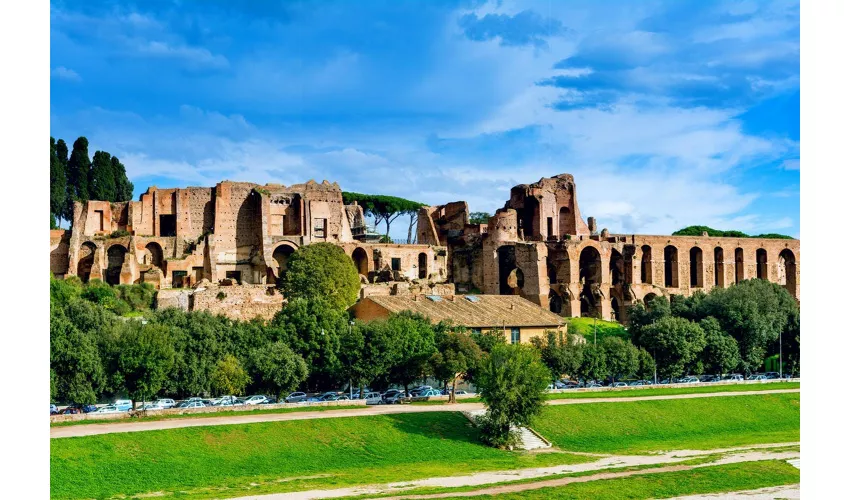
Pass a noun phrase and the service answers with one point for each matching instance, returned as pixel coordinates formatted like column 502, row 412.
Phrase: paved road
column 94, row 429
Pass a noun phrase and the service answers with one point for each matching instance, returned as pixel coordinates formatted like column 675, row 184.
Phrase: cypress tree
column 62, row 152
column 78, row 175
column 58, row 184
column 123, row 186
column 101, row 178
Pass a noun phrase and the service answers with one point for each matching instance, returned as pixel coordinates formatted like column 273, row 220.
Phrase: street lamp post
column 780, row 354
column 350, row 388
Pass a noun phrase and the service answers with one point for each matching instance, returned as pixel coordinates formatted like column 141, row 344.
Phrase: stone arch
column 516, row 280
column 788, row 271
column 152, row 255
column 423, row 265
column 719, row 274
column 617, row 268
column 114, row 260
column 281, row 255
column 86, row 260
column 361, row 261
column 739, row 265
column 556, row 303
column 648, row 298
column 646, row 264
column 696, row 267
column 616, row 313
column 761, row 264
column 671, row 266
column 566, row 222
column 590, row 276
column 506, row 255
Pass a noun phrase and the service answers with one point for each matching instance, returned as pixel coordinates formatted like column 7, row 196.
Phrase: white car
column 195, row 404
column 374, row 398
column 619, row 384
column 152, row 406
column 689, row 380
column 255, row 400
column 109, row 409
column 165, row 403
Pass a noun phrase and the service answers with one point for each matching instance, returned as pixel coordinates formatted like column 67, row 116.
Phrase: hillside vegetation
column 698, row 230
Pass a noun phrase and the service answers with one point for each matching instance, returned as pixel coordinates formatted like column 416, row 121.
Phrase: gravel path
column 771, row 493
column 137, row 426
column 668, row 461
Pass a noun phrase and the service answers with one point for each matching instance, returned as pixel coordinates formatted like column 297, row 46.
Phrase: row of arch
column 282, row 253
column 115, row 255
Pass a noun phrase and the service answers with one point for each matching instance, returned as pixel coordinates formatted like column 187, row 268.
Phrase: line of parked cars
column 689, row 379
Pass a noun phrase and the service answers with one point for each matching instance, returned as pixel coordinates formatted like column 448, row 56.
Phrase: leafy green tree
column 641, row 316
column 676, row 343
column 559, row 353
column 145, row 358
column 322, row 271
column 479, row 218
column 278, row 369
column 646, row 365
column 721, row 354
column 621, row 356
column 489, row 339
column 456, row 356
column 123, row 186
column 594, row 364
column 53, row 389
column 367, row 351
column 698, row 230
column 101, row 181
column 74, row 357
column 511, row 382
column 414, row 338
column 383, row 208
column 228, row 377
column 58, row 183
column 77, row 174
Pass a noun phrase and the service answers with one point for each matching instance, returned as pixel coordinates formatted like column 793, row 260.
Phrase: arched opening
column 788, row 271
column 616, row 268
column 516, row 280
column 566, row 223
column 281, row 255
column 361, row 261
column 423, row 265
column 696, row 267
column 646, row 264
column 529, row 221
column 507, row 263
column 761, row 264
column 115, row 259
column 152, row 255
column 552, row 273
column 739, row 265
column 590, row 275
column 86, row 261
column 629, row 264
column 616, row 314
column 671, row 266
column 556, row 303
column 648, row 298
column 719, row 274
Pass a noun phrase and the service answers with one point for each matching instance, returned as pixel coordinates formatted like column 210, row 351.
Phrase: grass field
column 308, row 454
column 151, row 418
column 584, row 326
column 703, row 480
column 647, row 426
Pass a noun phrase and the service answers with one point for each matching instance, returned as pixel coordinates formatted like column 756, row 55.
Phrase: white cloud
column 195, row 56
column 63, row 73
column 791, row 164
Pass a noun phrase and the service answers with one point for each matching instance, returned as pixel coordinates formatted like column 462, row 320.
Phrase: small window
column 178, row 279
column 168, row 225
column 320, row 228
column 396, row 262
column 234, row 275
column 476, row 331
column 514, row 335
column 98, row 220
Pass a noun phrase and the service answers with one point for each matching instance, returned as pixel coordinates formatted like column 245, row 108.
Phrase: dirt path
column 770, row 493
column 95, row 429
column 668, row 462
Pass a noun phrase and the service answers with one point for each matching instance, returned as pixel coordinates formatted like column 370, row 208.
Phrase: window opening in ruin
column 320, row 228
column 198, row 273
column 696, row 267
column 556, row 303
column 178, row 279
column 152, row 255
column 671, row 267
column 646, row 264
column 86, row 261
column 236, row 276
column 281, row 255
column 566, row 224
column 549, row 227
column 361, row 261
column 590, row 276
column 514, row 335
column 423, row 265
column 168, row 225
column 615, row 309
column 719, row 275
column 788, row 271
column 396, row 264
column 739, row 265
column 98, row 220
column 115, row 259
column 648, row 298
column 761, row 264
column 617, row 268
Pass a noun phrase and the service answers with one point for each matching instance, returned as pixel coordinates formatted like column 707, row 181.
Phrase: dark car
column 70, row 411
column 270, row 400
column 391, row 395
column 83, row 408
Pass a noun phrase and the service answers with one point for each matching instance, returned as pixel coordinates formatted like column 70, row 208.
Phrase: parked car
column 394, row 399
column 637, row 383
column 151, row 406
column 593, row 385
column 110, row 409
column 689, row 380
column 165, row 403
column 296, row 397
column 429, row 392
column 461, row 392
column 84, row 408
column 733, row 376
column 758, row 377
column 374, row 398
column 226, row 401
column 70, row 411
column 771, row 375
column 270, row 400
column 619, row 384
column 124, row 404
column 255, row 400
column 390, row 394
column 195, row 404
column 53, row 409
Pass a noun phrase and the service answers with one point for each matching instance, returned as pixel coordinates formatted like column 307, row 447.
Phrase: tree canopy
column 479, row 218
column 322, row 271
column 383, row 208
column 698, row 230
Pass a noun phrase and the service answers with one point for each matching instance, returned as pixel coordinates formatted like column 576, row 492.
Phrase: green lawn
column 584, row 326
column 318, row 453
column 631, row 427
column 703, row 480
column 669, row 391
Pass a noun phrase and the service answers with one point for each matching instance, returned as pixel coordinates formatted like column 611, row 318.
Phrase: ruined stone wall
column 236, row 302
column 59, row 249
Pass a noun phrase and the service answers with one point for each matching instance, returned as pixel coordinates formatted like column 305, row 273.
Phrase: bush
column 322, row 271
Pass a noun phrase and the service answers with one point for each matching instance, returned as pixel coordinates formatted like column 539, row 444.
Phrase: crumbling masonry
column 197, row 244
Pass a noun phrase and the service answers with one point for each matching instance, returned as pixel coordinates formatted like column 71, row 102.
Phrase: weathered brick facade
column 537, row 246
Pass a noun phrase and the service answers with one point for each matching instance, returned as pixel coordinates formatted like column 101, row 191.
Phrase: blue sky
column 667, row 113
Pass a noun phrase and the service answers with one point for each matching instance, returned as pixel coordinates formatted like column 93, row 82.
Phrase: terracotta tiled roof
column 473, row 311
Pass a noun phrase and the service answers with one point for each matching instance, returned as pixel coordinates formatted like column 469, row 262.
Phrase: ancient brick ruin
column 202, row 241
